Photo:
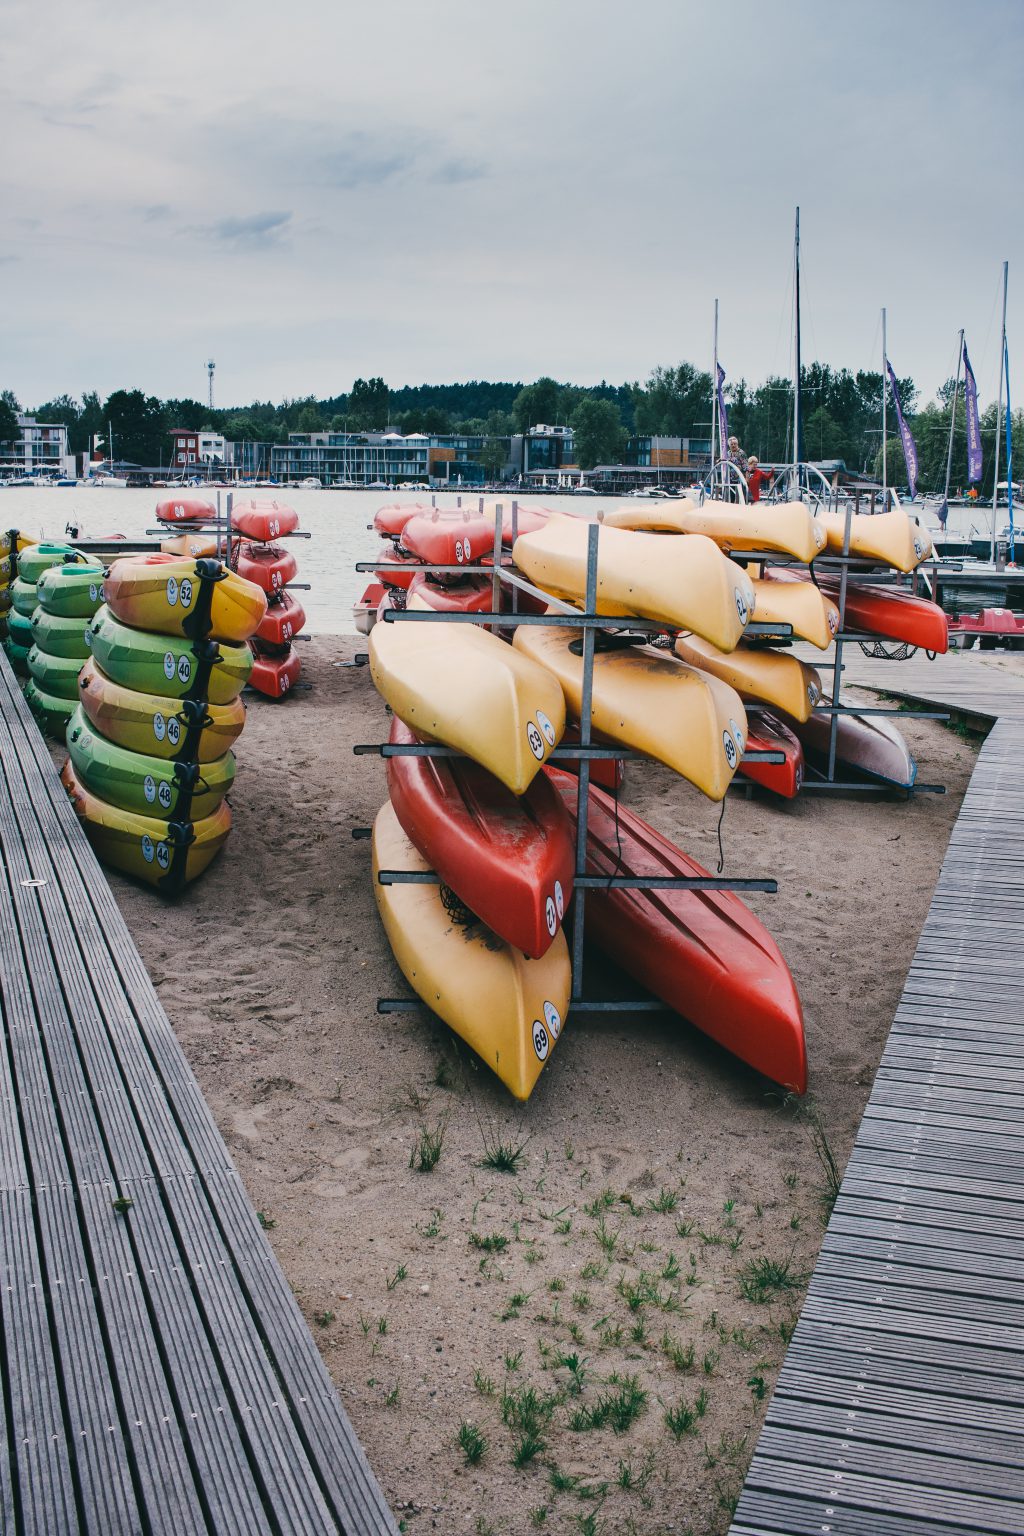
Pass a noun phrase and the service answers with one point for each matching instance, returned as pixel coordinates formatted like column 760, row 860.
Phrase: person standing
column 736, row 455
column 756, row 478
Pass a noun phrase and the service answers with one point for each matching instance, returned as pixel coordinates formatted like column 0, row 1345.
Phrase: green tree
column 536, row 404
column 9, row 411
column 675, row 402
column 499, row 424
column 138, row 424
column 310, row 419
column 242, row 429
column 368, row 406
column 598, row 434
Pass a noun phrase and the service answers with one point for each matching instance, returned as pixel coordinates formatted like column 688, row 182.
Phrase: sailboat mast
column 714, row 406
column 796, row 362
column 952, row 419
column 999, row 418
column 885, row 420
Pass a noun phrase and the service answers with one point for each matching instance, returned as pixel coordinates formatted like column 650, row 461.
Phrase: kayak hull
column 785, row 528
column 893, row 614
column 60, row 636
column 507, row 1008
column 758, row 674
column 70, row 591
column 56, row 675
column 811, row 615
column 168, row 596
column 890, row 538
column 147, row 786
column 185, row 509
column 766, row 734
column 51, row 712
column 264, row 521
column 163, row 665
column 274, row 672
column 471, row 595
column 867, row 745
column 443, row 537
column 284, row 618
column 268, row 566
column 156, row 726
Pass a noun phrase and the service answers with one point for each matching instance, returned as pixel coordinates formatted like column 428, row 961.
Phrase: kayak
column 6, row 597
column 703, row 953
column 364, row 612
column 263, row 521
column 389, row 521
column 55, row 675
column 766, row 734
column 508, row 859
column 643, row 698
column 197, row 546
column 17, row 655
column 811, row 615
column 149, row 786
column 275, row 671
column 528, row 519
column 23, row 597
column 786, row 528
column 143, row 722
column 461, row 685
column 185, row 509
column 51, row 712
column 165, row 666
column 757, row 673
column 60, row 636
column 470, row 595
column 268, row 566
column 448, row 537
column 22, row 539
column 71, row 591
column 7, row 570
column 34, row 561
column 165, row 854
column 606, row 772
column 508, row 1009
column 284, row 618
column 396, row 567
column 687, row 583
column 896, row 615
column 866, row 744
column 892, row 538
column 20, row 629
column 194, row 598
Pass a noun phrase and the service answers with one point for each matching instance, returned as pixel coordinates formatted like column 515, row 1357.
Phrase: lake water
column 336, row 520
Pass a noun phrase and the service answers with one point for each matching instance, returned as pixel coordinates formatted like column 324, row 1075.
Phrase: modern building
column 41, row 448
column 385, row 458
column 545, row 456
column 194, row 447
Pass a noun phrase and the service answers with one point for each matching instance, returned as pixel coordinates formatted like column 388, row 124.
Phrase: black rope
column 721, row 850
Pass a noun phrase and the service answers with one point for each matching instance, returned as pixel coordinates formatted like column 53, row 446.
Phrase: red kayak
column 270, row 566
column 891, row 613
column 766, row 734
column 274, row 671
column 263, row 521
column 448, row 537
column 508, row 858
column 389, row 521
column 184, row 509
column 284, row 618
column 470, row 595
column 528, row 520
column 702, row 952
column 608, row 772
column 395, row 567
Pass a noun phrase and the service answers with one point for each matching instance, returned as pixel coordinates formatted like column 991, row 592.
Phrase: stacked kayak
column 10, row 546
column 25, row 567
column 158, row 711
column 270, row 566
column 68, row 596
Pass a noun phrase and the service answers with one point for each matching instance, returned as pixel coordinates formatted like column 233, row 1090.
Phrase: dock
column 899, row 1410
column 157, row 1374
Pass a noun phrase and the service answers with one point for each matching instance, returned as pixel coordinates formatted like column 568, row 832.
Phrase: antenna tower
column 209, row 369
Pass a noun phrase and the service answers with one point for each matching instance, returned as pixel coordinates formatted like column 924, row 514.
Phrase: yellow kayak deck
column 812, row 616
column 786, row 528
column 893, row 538
column 758, row 674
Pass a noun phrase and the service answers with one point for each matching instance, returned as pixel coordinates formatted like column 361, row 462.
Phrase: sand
column 590, row 1312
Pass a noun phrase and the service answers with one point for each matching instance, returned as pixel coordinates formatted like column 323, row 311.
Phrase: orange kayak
column 199, row 599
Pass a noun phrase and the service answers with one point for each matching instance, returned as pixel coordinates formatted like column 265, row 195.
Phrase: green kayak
column 52, row 713
column 56, row 675
column 59, row 636
column 166, row 666
column 24, row 597
column 150, row 786
column 17, row 655
column 20, row 630
column 32, row 562
column 72, row 591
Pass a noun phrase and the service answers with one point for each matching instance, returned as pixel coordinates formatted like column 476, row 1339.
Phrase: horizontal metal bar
column 857, row 709
column 171, row 530
column 561, row 754
column 763, row 757
column 576, row 1005
column 607, row 882
column 873, row 787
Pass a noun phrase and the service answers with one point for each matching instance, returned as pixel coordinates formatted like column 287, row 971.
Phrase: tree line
column 841, row 417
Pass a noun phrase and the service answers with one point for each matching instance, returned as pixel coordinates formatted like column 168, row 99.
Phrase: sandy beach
column 603, row 1317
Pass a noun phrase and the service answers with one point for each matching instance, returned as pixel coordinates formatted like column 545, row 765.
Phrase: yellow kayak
column 164, row 595
column 812, row 615
column 198, row 545
column 150, row 723
column 165, row 855
column 786, row 528
column 507, row 1008
column 645, row 699
column 462, row 686
column 686, row 583
column 758, row 674
column 890, row 537
column 5, row 542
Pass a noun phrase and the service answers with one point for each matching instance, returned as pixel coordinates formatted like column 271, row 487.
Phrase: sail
column 974, row 457
column 723, row 415
column 906, row 436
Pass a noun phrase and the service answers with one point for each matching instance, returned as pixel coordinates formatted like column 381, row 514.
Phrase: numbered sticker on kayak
column 918, row 546
column 737, row 736
column 172, row 591
column 149, row 788
column 164, row 794
column 173, row 731
column 185, row 593
column 541, row 1043
column 553, row 1019
column 94, row 592
column 546, row 727
column 742, row 606
column 813, row 694
column 163, row 855
column 833, row 621
column 559, row 900
column 731, row 755
column 550, row 916
column 169, row 666
column 87, row 637
column 184, row 669
column 533, row 736
column 460, row 554
column 273, row 528
column 159, row 727
column 286, row 630
column 147, row 848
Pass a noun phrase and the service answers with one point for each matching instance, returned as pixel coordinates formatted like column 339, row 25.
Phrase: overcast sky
column 437, row 190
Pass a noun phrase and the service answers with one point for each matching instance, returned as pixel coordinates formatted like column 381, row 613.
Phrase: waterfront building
column 545, row 456
column 384, row 458
column 41, row 448
column 197, row 446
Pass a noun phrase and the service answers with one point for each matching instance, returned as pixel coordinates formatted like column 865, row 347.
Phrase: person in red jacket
column 756, row 478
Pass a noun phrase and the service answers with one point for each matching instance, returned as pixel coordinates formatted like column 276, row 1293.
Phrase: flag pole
column 999, row 413
column 952, row 424
column 714, row 405
column 796, row 360
column 885, row 419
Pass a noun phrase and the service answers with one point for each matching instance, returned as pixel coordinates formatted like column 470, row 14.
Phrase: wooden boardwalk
column 899, row 1410
column 157, row 1375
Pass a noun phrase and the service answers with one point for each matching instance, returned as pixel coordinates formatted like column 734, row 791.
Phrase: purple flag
column 973, row 421
column 906, row 438
column 723, row 417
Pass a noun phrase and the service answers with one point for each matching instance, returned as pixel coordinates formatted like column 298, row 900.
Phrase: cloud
column 6, row 261
column 361, row 165
column 156, row 211
column 256, row 231
column 451, row 172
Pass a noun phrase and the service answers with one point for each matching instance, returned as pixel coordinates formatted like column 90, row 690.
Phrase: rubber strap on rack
column 12, row 534
column 179, row 839
column 198, row 623
column 195, row 713
column 208, row 656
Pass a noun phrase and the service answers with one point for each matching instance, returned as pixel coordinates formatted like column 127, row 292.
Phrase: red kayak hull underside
column 508, row 858
column 470, row 595
column 266, row 565
column 389, row 521
column 264, row 521
column 284, row 618
column 448, row 538
column 395, row 567
column 892, row 614
column 274, row 673
column 605, row 772
column 702, row 952
column 767, row 735
column 184, row 509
